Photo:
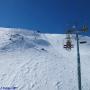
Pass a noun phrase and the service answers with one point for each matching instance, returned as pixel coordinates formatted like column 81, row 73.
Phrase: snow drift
column 35, row 61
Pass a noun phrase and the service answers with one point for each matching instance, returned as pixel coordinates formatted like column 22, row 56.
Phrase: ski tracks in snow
column 28, row 73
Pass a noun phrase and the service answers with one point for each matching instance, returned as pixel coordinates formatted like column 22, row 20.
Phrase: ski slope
column 37, row 61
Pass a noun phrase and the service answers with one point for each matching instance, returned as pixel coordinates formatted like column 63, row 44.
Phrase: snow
column 37, row 61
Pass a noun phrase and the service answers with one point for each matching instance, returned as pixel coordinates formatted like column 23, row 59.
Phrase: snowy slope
column 34, row 61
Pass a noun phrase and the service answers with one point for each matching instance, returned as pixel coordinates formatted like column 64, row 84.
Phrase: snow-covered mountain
column 35, row 61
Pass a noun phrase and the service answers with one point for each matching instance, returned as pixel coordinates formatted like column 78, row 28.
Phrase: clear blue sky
column 52, row 16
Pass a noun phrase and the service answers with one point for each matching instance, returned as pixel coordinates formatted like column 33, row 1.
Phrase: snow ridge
column 30, row 60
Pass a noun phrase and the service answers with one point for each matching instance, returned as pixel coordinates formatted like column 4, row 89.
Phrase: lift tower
column 77, row 32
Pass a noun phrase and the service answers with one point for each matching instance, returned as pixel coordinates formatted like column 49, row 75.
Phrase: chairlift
column 68, row 43
column 82, row 42
column 85, row 28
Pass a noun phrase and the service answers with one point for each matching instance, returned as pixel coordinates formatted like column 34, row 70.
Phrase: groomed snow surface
column 35, row 61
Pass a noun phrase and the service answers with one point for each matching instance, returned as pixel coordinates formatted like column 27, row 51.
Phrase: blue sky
column 52, row 16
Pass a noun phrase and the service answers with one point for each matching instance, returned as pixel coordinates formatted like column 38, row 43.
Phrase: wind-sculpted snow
column 41, row 42
column 34, row 61
column 17, row 40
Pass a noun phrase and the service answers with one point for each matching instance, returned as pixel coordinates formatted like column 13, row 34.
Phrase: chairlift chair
column 82, row 42
column 85, row 28
column 68, row 44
